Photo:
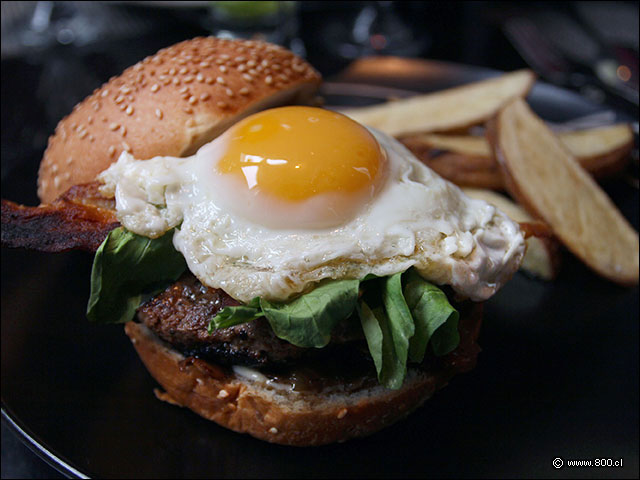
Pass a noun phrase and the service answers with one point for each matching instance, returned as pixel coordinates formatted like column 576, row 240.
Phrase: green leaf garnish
column 125, row 267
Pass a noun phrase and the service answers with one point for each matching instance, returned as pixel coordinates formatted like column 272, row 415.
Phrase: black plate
column 558, row 375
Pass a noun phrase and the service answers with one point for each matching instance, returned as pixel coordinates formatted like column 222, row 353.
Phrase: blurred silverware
column 561, row 52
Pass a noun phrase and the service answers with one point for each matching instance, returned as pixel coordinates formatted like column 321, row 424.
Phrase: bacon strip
column 536, row 228
column 79, row 220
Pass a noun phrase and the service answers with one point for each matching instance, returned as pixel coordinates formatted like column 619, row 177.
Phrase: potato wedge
column 542, row 259
column 468, row 161
column 544, row 177
column 469, row 169
column 446, row 110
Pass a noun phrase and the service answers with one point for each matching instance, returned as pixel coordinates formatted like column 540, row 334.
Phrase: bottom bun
column 246, row 401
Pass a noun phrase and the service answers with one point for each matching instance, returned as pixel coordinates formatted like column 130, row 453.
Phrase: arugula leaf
column 436, row 321
column 308, row 320
column 126, row 266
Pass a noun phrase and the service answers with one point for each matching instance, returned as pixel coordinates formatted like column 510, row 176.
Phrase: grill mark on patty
column 180, row 315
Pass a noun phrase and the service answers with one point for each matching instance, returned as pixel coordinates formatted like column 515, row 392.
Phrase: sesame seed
column 239, row 59
column 205, row 96
column 122, row 107
column 159, row 113
column 190, row 122
column 229, row 92
column 155, row 87
column 219, row 61
column 188, row 79
column 166, row 81
column 54, row 168
column 251, row 63
column 90, row 120
column 193, row 100
column 273, row 430
column 113, row 126
column 183, row 90
column 209, row 80
column 129, row 110
column 222, row 104
column 66, row 176
column 176, row 81
column 83, row 134
column 104, row 93
column 224, row 56
column 268, row 80
column 223, row 394
column 242, row 67
column 125, row 89
column 183, row 70
column 96, row 106
column 276, row 67
column 91, row 138
column 252, row 71
column 247, row 77
column 244, row 91
column 205, row 64
column 188, row 110
column 342, row 413
column 220, row 80
column 126, row 147
column 264, row 63
column 123, row 130
column 56, row 182
column 200, row 78
column 69, row 160
column 119, row 99
column 172, row 71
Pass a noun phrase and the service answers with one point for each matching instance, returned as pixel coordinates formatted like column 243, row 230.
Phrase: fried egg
column 292, row 196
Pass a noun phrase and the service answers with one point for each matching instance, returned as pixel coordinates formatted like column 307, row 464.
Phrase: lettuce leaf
column 436, row 321
column 401, row 315
column 125, row 267
column 306, row 321
column 230, row 316
column 390, row 368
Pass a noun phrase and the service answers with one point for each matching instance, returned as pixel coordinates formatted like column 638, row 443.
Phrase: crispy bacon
column 536, row 228
column 79, row 220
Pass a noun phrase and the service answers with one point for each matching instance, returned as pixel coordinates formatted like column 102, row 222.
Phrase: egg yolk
column 296, row 153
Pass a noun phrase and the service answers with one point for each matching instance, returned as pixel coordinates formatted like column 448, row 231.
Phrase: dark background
column 36, row 93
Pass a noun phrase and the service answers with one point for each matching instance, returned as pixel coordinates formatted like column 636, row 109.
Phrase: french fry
column 542, row 259
column 542, row 175
column 468, row 161
column 446, row 110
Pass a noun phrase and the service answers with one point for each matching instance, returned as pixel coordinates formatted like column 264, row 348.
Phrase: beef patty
column 180, row 315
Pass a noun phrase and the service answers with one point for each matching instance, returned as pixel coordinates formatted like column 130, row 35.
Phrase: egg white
column 415, row 219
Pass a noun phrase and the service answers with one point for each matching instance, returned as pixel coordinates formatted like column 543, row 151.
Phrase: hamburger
column 280, row 270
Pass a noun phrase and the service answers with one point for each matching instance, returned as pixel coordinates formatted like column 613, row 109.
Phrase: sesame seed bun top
column 171, row 103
